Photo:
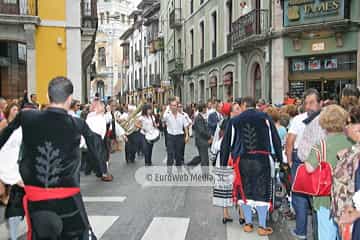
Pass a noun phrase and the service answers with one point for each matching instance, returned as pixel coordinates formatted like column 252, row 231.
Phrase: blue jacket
column 213, row 120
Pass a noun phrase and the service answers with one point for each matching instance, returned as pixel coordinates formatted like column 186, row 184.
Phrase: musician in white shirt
column 177, row 134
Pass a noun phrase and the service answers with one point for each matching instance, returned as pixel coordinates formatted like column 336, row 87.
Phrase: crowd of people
column 247, row 143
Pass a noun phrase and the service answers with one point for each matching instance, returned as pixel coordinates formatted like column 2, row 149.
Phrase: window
column 179, row 47
column 257, row 82
column 191, row 48
column 191, row 6
column 102, row 57
column 100, row 89
column 123, row 18
column 214, row 42
column 102, row 18
column 202, row 32
column 13, row 78
column 107, row 17
column 229, row 8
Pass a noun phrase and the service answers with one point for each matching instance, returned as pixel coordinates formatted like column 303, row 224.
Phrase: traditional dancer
column 255, row 140
column 50, row 166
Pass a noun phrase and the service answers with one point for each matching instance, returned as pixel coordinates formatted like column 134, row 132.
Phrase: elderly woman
column 333, row 120
column 346, row 187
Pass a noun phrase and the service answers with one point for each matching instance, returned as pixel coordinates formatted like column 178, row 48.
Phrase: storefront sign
column 330, row 63
column 298, row 65
column 314, row 64
column 298, row 12
column 316, row 47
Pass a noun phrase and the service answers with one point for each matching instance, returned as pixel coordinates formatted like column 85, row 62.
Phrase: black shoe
column 241, row 221
column 226, row 220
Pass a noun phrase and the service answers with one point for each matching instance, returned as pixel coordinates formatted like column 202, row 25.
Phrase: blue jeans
column 300, row 202
column 261, row 211
column 14, row 223
column 327, row 229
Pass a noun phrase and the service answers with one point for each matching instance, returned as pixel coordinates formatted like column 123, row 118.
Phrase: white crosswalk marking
column 162, row 228
column 235, row 232
column 101, row 224
column 104, row 199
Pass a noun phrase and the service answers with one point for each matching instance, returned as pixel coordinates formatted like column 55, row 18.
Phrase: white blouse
column 147, row 124
column 9, row 156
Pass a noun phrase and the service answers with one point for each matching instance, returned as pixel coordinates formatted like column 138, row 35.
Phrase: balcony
column 176, row 67
column 202, row 56
column 19, row 7
column 251, row 27
column 229, row 42
column 89, row 14
column 213, row 49
column 138, row 56
column 175, row 21
column 155, row 80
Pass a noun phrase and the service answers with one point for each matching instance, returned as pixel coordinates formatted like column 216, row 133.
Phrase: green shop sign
column 299, row 12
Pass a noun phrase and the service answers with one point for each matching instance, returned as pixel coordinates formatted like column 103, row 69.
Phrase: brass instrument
column 129, row 124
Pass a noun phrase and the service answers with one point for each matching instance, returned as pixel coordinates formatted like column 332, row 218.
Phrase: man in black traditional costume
column 50, row 166
column 254, row 140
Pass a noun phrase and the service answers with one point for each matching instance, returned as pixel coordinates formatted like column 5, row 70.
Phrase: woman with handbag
column 333, row 120
column 149, row 132
column 345, row 202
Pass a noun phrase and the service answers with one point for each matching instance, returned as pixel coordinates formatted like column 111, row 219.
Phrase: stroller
column 281, row 192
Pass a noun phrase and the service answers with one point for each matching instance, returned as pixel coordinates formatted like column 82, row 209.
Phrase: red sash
column 35, row 194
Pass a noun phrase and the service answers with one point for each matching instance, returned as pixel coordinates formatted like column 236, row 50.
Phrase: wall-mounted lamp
column 59, row 41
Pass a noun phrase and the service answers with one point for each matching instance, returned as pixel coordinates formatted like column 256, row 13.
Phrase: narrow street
column 123, row 209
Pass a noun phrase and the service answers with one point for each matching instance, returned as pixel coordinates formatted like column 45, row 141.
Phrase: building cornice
column 19, row 19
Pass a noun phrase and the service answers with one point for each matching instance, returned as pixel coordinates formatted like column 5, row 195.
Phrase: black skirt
column 255, row 174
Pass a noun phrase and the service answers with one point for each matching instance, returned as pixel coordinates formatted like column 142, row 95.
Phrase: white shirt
column 97, row 123
column 297, row 128
column 9, row 156
column 72, row 113
column 187, row 118
column 175, row 124
column 147, row 124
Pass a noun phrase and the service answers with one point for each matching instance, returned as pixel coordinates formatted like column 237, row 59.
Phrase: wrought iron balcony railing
column 19, row 7
column 255, row 22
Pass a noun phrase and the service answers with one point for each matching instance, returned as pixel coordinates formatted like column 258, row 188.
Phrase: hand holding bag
column 317, row 183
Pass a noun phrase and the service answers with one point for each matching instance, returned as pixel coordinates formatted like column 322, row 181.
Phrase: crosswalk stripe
column 100, row 224
column 104, row 199
column 235, row 232
column 163, row 228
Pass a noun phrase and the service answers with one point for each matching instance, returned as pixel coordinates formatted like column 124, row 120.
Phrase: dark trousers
column 175, row 149
column 147, row 149
column 300, row 202
column 131, row 147
column 204, row 155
